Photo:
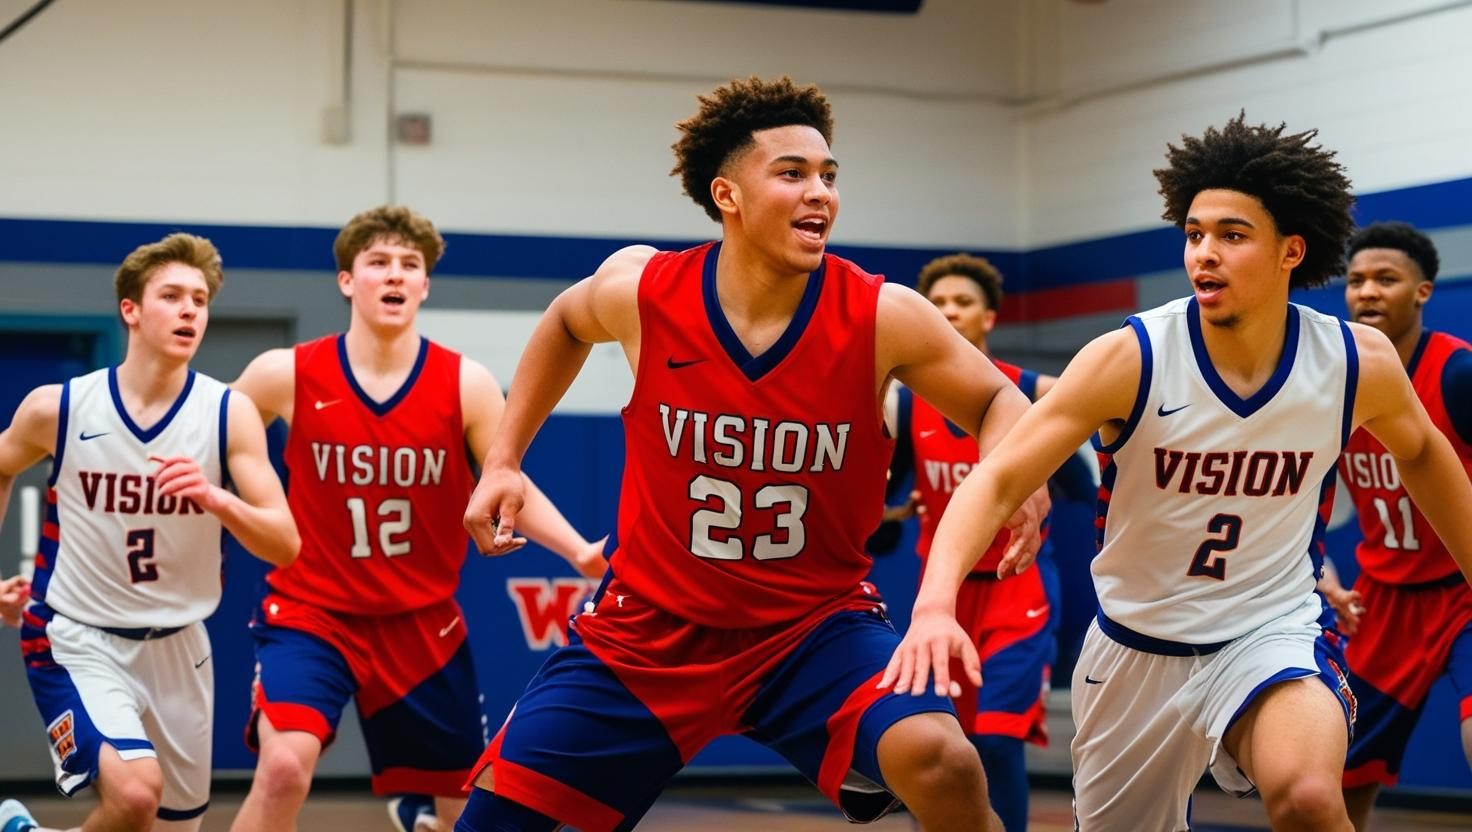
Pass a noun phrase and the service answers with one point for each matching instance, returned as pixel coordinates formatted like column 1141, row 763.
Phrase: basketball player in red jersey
column 1008, row 621
column 380, row 419
column 1410, row 612
column 755, row 470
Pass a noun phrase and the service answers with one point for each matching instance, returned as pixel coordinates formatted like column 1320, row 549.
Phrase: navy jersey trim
column 902, row 461
column 1456, row 392
column 1027, row 382
column 1351, row 382
column 182, row 814
column 1147, row 363
column 1416, row 354
column 146, row 436
column 1150, row 644
column 381, row 408
column 63, row 410
column 225, row 438
column 1238, row 405
column 754, row 367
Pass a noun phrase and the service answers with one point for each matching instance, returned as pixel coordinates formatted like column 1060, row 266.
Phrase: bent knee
column 1309, row 802
column 930, row 754
column 134, row 801
column 282, row 770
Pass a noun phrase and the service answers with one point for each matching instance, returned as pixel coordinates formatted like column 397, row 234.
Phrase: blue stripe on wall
column 1439, row 205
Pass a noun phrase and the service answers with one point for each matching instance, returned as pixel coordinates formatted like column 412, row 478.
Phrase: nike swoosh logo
column 321, row 404
column 675, row 365
column 450, row 626
column 200, row 663
column 84, row 437
column 1092, row 681
column 1037, row 612
column 926, row 433
column 1163, row 412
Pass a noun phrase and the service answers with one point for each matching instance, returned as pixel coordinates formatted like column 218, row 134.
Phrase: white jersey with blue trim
column 1212, row 506
column 114, row 552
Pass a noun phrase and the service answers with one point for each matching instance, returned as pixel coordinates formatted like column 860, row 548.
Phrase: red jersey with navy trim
column 378, row 489
column 750, row 482
column 1399, row 545
column 944, row 455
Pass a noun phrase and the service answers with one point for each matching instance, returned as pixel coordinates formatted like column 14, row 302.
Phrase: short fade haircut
column 1402, row 237
column 144, row 260
column 728, row 117
column 978, row 269
column 391, row 223
column 1301, row 187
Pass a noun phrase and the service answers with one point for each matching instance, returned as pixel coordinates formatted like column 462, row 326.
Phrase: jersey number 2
column 397, row 510
column 785, row 541
column 141, row 567
column 1206, row 563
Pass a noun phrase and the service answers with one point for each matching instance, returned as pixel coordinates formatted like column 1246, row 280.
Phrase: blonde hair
column 392, row 223
column 144, row 260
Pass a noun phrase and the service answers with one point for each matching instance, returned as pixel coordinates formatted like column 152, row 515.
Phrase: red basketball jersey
column 750, row 483
column 1399, row 546
column 944, row 455
column 378, row 489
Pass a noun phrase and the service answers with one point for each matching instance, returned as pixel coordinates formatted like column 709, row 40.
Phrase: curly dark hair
column 1402, row 237
column 1301, row 187
column 978, row 269
column 729, row 116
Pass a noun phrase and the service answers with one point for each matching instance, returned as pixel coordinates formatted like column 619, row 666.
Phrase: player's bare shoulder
column 907, row 326
column 269, row 380
column 32, row 430
column 1382, row 384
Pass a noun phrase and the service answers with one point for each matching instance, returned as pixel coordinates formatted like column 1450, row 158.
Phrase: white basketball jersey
column 115, row 552
column 1212, row 505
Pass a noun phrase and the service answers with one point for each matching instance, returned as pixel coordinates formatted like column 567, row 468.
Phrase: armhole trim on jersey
column 1351, row 383
column 1027, row 382
column 1147, row 365
column 641, row 305
column 225, row 439
column 1456, row 386
column 62, row 411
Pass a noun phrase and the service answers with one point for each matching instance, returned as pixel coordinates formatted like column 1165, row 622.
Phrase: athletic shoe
column 15, row 818
column 409, row 812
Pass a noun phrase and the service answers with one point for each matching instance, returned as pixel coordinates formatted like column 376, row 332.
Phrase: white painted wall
column 1393, row 99
column 550, row 116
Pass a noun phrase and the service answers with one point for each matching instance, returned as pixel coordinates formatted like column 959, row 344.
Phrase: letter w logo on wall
column 544, row 605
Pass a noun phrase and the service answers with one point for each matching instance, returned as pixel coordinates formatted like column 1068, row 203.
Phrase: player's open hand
column 180, row 476
column 934, row 638
column 13, row 594
column 1026, row 526
column 491, row 516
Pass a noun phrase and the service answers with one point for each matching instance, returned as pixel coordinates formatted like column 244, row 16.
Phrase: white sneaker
column 14, row 817
column 409, row 813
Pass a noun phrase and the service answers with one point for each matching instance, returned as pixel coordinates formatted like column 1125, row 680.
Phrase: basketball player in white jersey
column 1221, row 417
column 129, row 563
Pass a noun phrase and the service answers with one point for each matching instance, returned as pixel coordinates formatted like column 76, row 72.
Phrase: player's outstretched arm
column 259, row 517
column 598, row 309
column 269, row 380
column 483, row 406
column 1099, row 387
column 1386, row 405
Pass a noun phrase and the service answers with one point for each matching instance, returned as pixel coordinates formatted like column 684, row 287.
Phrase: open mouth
column 185, row 332
column 1207, row 287
column 812, row 228
column 1369, row 316
column 394, row 299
